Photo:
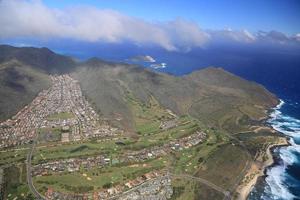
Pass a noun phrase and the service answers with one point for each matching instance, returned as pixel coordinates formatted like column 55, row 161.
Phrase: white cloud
column 31, row 18
column 297, row 37
column 230, row 35
column 34, row 19
column 185, row 33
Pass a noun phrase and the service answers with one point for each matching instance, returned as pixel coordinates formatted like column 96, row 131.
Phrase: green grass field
column 62, row 115
column 62, row 151
column 184, row 189
column 147, row 117
column 13, row 156
column 218, row 167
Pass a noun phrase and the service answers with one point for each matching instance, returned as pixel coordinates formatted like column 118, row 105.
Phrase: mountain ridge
column 106, row 83
column 40, row 58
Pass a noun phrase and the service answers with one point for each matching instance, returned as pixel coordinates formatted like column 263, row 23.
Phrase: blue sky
column 168, row 24
column 253, row 15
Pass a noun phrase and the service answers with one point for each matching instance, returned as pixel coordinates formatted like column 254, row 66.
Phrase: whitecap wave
column 277, row 178
column 287, row 156
column 277, row 188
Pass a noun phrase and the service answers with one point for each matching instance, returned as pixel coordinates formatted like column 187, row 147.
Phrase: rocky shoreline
column 258, row 169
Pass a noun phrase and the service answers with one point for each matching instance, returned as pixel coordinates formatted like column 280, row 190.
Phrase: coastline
column 262, row 161
column 258, row 169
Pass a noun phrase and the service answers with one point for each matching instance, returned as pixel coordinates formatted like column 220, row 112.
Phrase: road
column 206, row 182
column 32, row 188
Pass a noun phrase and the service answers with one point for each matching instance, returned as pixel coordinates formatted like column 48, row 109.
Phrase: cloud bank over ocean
column 33, row 19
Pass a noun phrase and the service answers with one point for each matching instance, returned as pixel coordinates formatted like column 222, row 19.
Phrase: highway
column 32, row 188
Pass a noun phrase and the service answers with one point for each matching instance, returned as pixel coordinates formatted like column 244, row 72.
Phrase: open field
column 218, row 167
column 183, row 129
column 257, row 142
column 184, row 189
column 13, row 156
column 61, row 115
column 147, row 116
column 62, row 151
column 231, row 115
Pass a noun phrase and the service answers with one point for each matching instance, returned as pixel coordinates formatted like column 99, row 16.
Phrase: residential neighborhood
column 74, row 164
column 62, row 105
column 152, row 185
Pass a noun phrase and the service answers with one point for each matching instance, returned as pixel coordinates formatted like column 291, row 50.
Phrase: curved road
column 34, row 191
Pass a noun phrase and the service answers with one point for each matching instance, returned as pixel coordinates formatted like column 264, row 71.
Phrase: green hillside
column 212, row 95
column 39, row 58
column 19, row 84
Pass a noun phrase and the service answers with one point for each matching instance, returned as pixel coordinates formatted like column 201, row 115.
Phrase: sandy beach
column 257, row 170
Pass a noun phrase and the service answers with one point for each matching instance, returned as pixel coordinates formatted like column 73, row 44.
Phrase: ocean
column 282, row 179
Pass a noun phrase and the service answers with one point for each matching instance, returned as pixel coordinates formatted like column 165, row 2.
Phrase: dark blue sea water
column 282, row 180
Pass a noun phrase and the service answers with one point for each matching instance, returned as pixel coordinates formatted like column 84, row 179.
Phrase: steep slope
column 231, row 102
column 40, row 58
column 212, row 95
column 24, row 72
column 19, row 84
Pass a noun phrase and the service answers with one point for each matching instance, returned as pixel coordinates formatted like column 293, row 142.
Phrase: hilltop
column 211, row 94
column 39, row 58
column 208, row 94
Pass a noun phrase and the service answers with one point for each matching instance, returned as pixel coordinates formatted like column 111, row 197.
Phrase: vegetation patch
column 15, row 183
column 147, row 116
column 97, row 178
column 184, row 189
column 218, row 169
column 61, row 115
column 12, row 156
column 79, row 149
column 49, row 134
